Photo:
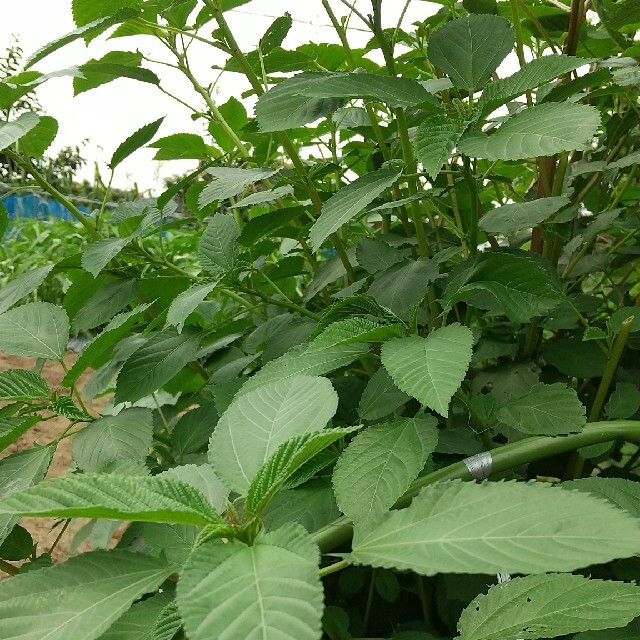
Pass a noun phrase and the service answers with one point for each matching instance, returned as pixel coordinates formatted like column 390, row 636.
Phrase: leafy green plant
column 408, row 271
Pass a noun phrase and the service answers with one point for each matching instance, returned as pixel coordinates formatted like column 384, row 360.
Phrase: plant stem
column 504, row 458
column 245, row 303
column 26, row 163
column 281, row 303
column 74, row 389
column 575, row 22
column 285, row 141
column 612, row 364
column 64, row 527
column 369, row 605
column 333, row 568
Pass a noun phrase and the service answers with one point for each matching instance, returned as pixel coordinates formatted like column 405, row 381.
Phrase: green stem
column 369, row 605
column 219, row 118
column 74, row 389
column 65, row 526
column 333, row 568
column 612, row 364
column 285, row 141
column 473, row 188
column 245, row 303
column 504, row 458
column 625, row 186
column 26, row 163
column 281, row 303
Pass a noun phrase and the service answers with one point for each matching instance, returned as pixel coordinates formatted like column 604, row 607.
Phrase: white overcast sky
column 107, row 115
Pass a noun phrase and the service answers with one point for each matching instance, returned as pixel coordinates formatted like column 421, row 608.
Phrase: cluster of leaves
column 405, row 272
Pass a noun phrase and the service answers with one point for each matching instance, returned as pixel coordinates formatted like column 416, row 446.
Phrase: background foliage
column 406, row 269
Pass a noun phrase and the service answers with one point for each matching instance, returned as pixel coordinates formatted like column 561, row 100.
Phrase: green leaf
column 548, row 606
column 435, row 140
column 430, row 369
column 66, row 407
column 86, row 11
column 84, row 595
column 462, row 527
column 329, row 272
column 623, row 493
column 229, row 182
column 155, row 363
column 258, row 421
column 18, row 545
column 12, row 428
column 380, row 397
column 479, row 6
column 180, row 146
column 268, row 224
column 235, row 115
column 112, row 66
column 218, row 247
column 288, row 458
column 628, row 633
column 134, row 142
column 511, row 218
column 262, row 197
column 624, row 13
column 137, row 622
column 275, row 593
column 100, row 253
column 361, row 304
column 375, row 255
column 404, row 284
column 18, row 471
column 39, row 139
column 97, row 351
column 192, row 432
column 379, row 465
column 11, row 132
column 276, row 33
column 348, row 202
column 575, row 358
column 37, row 329
column 185, row 304
column 87, row 31
column 623, row 402
column 354, row 330
column 20, row 385
column 21, row 286
column 173, row 541
column 312, row 505
column 115, row 497
column 169, row 622
column 110, row 298
column 535, row 73
column 395, row 91
column 298, row 361
column 113, row 439
column 282, row 107
column 521, row 287
column 470, row 49
column 204, row 479
column 620, row 315
column 547, row 410
column 542, row 130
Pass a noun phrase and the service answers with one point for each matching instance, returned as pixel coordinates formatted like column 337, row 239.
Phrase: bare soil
column 43, row 433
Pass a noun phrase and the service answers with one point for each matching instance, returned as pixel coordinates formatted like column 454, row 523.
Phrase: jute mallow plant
column 378, row 376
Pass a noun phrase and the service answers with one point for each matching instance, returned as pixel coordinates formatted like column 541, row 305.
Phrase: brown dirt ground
column 43, row 433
